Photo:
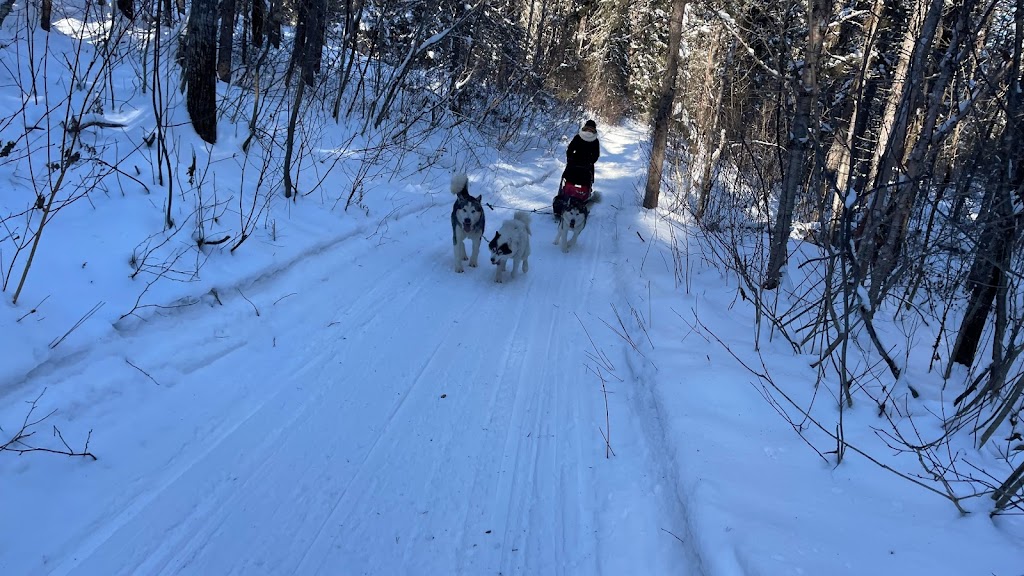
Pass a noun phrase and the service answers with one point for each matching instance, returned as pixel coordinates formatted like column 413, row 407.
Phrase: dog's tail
column 595, row 198
column 460, row 183
column 524, row 217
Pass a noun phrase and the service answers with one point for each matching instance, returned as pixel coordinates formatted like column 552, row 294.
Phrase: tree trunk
column 315, row 35
column 799, row 142
column 349, row 49
column 904, row 97
column 244, row 10
column 298, row 40
column 227, row 38
column 663, row 113
column 259, row 17
column 989, row 276
column 841, row 155
column 921, row 157
column 459, row 46
column 45, row 11
column 539, row 57
column 126, row 8
column 307, row 49
column 289, row 142
column 200, row 68
column 274, row 24
column 987, row 273
column 712, row 137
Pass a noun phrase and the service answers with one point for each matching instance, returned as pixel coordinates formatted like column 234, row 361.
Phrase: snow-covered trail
column 381, row 415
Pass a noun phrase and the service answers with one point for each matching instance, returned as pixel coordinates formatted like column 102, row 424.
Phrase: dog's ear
column 493, row 244
column 480, row 198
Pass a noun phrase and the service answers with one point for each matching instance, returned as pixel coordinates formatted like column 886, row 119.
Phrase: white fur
column 460, row 249
column 459, row 182
column 460, row 242
column 474, row 214
column 575, row 220
column 515, row 234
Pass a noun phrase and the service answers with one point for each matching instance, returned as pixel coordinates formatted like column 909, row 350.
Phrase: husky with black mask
column 467, row 221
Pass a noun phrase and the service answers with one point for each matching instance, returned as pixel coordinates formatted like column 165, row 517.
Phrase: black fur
column 572, row 214
column 468, row 221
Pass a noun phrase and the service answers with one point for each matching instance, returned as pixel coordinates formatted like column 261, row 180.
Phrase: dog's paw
column 460, row 269
column 565, row 248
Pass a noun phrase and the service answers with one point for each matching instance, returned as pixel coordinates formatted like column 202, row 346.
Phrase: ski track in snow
column 410, row 420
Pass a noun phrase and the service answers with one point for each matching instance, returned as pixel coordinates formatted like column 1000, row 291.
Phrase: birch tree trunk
column 916, row 176
column 904, row 98
column 663, row 113
column 841, row 154
column 713, row 138
column 799, row 141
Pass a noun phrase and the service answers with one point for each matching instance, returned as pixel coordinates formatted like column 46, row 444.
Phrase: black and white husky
column 573, row 219
column 467, row 221
column 512, row 242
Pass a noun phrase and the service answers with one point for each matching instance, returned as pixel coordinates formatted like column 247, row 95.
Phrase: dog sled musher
column 578, row 178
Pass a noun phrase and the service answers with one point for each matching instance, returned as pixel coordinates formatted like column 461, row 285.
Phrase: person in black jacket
column 581, row 155
column 578, row 177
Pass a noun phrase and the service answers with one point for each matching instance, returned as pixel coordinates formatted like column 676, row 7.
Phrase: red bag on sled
column 575, row 191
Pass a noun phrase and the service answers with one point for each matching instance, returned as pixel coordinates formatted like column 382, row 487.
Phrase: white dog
column 512, row 241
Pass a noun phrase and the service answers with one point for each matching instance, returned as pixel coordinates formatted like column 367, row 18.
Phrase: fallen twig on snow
column 141, row 370
column 250, row 302
column 604, row 364
column 56, row 342
column 19, row 442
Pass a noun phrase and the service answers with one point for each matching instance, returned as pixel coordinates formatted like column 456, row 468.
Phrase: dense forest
column 884, row 134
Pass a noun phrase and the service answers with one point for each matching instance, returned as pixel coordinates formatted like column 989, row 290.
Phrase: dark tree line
column 608, row 55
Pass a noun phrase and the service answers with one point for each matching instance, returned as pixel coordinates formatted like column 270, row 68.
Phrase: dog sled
column 569, row 193
column 577, row 191
column 570, row 185
column 568, row 189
